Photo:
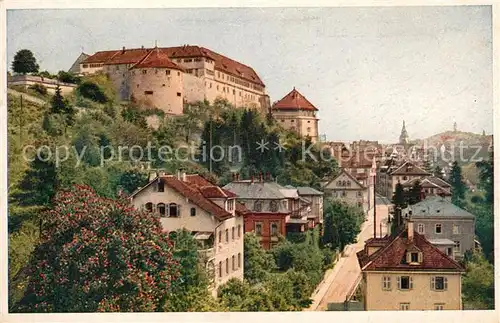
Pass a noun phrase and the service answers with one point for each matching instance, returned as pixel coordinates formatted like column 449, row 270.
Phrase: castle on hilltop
column 168, row 77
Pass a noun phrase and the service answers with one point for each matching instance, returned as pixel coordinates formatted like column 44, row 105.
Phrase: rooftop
column 437, row 206
column 392, row 256
column 294, row 101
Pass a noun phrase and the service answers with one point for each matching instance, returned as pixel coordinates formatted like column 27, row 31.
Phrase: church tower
column 403, row 138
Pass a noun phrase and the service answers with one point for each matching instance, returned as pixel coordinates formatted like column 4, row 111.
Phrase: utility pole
column 210, row 153
column 374, row 207
column 21, row 116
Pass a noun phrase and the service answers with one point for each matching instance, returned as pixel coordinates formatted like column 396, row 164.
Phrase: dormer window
column 414, row 257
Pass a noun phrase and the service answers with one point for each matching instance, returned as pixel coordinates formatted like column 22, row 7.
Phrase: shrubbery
column 39, row 88
column 92, row 91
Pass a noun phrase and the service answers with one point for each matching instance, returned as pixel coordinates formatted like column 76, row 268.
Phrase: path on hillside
column 340, row 280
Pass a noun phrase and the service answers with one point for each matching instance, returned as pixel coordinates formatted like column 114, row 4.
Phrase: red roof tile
column 294, row 101
column 393, row 256
column 158, row 59
column 127, row 56
column 195, row 196
column 198, row 180
column 222, row 63
column 409, row 169
column 100, row 57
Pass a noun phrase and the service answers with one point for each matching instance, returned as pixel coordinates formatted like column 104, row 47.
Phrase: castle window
column 148, row 92
column 439, row 283
column 193, row 211
column 178, row 93
column 163, row 84
column 188, row 60
column 292, row 120
column 234, row 92
column 210, row 85
column 85, row 65
column 308, row 121
column 117, row 67
column 167, row 72
column 178, row 73
column 240, row 93
column 144, row 71
column 137, row 85
column 156, row 71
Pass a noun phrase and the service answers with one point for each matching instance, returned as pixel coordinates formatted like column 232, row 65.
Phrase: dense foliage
column 458, row 187
column 342, row 224
column 478, row 284
column 24, row 62
column 98, row 254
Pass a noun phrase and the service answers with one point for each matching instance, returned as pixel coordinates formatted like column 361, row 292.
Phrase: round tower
column 157, row 82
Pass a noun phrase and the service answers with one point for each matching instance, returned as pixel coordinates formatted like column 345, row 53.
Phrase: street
column 340, row 281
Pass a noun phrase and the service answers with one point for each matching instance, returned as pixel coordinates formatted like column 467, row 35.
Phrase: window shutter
column 420, row 257
column 408, row 257
column 445, row 283
column 389, row 282
column 399, row 282
column 178, row 210
column 433, row 283
column 383, row 281
column 411, row 282
column 153, row 207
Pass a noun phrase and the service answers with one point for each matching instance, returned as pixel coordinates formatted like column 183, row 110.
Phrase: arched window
column 173, row 210
column 161, row 209
column 149, row 207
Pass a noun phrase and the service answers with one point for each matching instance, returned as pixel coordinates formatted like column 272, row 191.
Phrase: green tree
column 99, row 254
column 190, row 292
column 24, row 62
column 92, row 91
column 486, row 177
column 427, row 166
column 478, row 284
column 457, row 184
column 415, row 193
column 67, row 77
column 438, row 172
column 345, row 224
column 132, row 179
column 257, row 261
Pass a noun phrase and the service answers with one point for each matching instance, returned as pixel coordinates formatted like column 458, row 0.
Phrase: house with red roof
column 211, row 213
column 407, row 272
column 163, row 77
column 294, row 112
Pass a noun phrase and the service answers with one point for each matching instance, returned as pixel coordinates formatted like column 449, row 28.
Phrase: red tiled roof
column 393, row 256
column 241, row 209
column 157, row 58
column 127, row 56
column 222, row 63
column 294, row 101
column 100, row 57
column 198, row 180
column 213, row 191
column 195, row 196
column 409, row 169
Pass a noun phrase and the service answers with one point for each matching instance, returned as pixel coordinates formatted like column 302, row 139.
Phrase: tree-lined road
column 341, row 280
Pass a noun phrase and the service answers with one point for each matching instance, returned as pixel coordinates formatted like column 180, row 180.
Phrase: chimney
column 179, row 175
column 142, row 46
column 152, row 176
column 184, row 178
column 409, row 224
column 123, row 49
column 252, row 178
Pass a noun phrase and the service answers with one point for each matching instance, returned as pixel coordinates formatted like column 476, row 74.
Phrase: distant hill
column 455, row 137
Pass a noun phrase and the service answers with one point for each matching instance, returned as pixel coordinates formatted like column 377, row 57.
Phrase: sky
column 365, row 68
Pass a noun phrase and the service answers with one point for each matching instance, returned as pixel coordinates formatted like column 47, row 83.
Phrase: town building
column 211, row 213
column 75, row 67
column 391, row 174
column 431, row 186
column 347, row 188
column 276, row 210
column 407, row 272
column 437, row 219
column 168, row 77
column 294, row 112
